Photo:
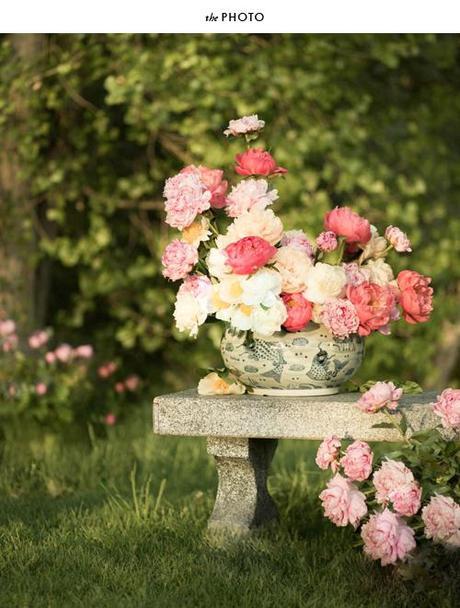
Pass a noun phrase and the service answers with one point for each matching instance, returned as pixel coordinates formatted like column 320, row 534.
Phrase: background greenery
column 91, row 125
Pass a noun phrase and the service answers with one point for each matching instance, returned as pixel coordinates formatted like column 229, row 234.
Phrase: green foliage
column 358, row 119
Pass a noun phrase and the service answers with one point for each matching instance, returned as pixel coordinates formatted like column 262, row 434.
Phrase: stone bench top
column 253, row 416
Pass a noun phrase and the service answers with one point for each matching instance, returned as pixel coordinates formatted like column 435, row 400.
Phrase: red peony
column 257, row 161
column 249, row 254
column 374, row 305
column 345, row 222
column 299, row 311
column 416, row 296
column 213, row 180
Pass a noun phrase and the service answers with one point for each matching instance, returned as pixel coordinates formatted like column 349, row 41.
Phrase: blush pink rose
column 249, row 254
column 132, row 382
column 7, row 328
column 38, row 339
column 85, row 351
column 447, row 407
column 374, row 305
column 441, row 517
column 392, row 476
column 186, row 196
column 297, row 239
column 214, row 181
column 387, row 538
column 110, row 419
column 41, row 389
column 381, row 394
column 107, row 369
column 120, row 387
column 407, row 499
column 299, row 311
column 64, row 353
column 342, row 502
column 178, row 259
column 327, row 241
column 416, row 296
column 357, row 461
column 257, row 161
column 339, row 316
column 345, row 222
column 328, row 453
column 50, row 357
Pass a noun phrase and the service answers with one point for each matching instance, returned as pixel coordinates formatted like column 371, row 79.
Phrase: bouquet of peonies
column 408, row 498
column 236, row 263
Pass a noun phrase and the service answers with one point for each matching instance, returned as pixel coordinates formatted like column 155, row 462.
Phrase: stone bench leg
column 242, row 500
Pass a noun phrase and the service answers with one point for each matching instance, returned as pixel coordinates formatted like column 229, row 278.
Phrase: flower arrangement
column 236, row 262
column 408, row 498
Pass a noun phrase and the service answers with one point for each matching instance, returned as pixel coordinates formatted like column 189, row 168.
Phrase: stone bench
column 242, row 434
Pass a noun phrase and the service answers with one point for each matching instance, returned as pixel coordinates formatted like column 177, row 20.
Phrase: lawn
column 120, row 522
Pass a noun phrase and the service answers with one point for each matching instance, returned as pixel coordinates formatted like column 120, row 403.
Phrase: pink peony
column 398, row 239
column 249, row 254
column 392, row 476
column 374, row 305
column 50, row 357
column 244, row 125
column 213, row 181
column 381, row 394
column 328, row 453
column 441, row 517
column 85, row 351
column 38, row 339
column 132, row 383
column 7, row 328
column 387, row 538
column 110, row 419
column 107, row 369
column 178, row 259
column 416, row 296
column 197, row 285
column 297, row 239
column 41, row 389
column 250, row 194
column 339, row 317
column 448, row 408
column 342, row 502
column 299, row 311
column 407, row 499
column 186, row 196
column 356, row 274
column 345, row 222
column 64, row 353
column 257, row 161
column 327, row 241
column 357, row 462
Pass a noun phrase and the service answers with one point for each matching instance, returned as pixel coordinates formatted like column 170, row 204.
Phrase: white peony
column 256, row 222
column 325, row 281
column 267, row 321
column 293, row 266
column 190, row 312
column 380, row 272
column 263, row 287
column 217, row 263
column 249, row 194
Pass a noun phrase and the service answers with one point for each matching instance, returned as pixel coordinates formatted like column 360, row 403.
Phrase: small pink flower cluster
column 8, row 336
column 64, row 353
column 131, row 384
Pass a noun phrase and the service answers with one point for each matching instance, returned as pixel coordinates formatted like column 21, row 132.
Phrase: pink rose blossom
column 107, row 369
column 327, row 241
column 406, row 499
column 38, row 339
column 213, row 180
column 398, row 239
column 186, row 196
column 120, row 387
column 345, row 222
column 357, row 462
column 356, row 274
column 110, row 419
column 339, row 317
column 244, row 125
column 249, row 254
column 387, row 538
column 50, row 357
column 297, row 239
column 381, row 394
column 342, row 502
column 328, row 453
column 178, row 260
column 441, row 517
column 85, row 351
column 415, row 297
column 299, row 311
column 132, row 383
column 7, row 327
column 374, row 305
column 41, row 389
column 447, row 407
column 250, row 194
column 64, row 353
column 10, row 343
column 392, row 476
column 257, row 161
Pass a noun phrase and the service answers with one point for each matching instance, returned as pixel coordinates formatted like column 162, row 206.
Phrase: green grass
column 120, row 522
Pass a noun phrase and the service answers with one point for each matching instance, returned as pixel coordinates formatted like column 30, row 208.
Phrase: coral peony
column 249, row 254
column 250, row 194
column 392, row 476
column 387, row 538
column 345, row 222
column 416, row 296
column 381, row 394
column 178, row 259
column 299, row 311
column 447, row 407
column 398, row 239
column 339, row 317
column 257, row 161
column 186, row 196
column 328, row 453
column 293, row 266
column 342, row 502
column 213, row 180
column 325, row 282
column 374, row 305
column 357, row 461
column 441, row 517
column 244, row 125
column 327, row 241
